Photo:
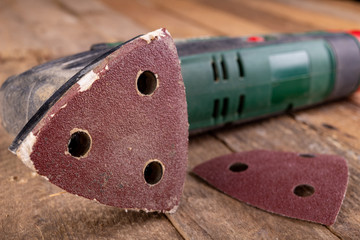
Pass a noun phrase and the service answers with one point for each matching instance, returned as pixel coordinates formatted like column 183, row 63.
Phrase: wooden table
column 32, row 32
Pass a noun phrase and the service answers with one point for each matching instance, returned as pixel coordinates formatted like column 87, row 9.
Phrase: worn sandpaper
column 119, row 135
column 304, row 186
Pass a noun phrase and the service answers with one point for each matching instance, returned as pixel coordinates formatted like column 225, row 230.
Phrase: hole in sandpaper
column 153, row 172
column 79, row 144
column 304, row 190
column 147, row 83
column 238, row 167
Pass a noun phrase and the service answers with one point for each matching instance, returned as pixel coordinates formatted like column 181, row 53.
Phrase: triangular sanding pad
column 304, row 186
column 119, row 134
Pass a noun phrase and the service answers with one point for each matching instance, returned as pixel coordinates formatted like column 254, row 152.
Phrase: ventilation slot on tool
column 216, row 108
column 240, row 66
column 215, row 71
column 224, row 70
column 241, row 104
column 225, row 107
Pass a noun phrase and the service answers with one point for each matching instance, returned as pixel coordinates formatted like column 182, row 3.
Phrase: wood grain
column 312, row 131
column 212, row 18
column 314, row 18
column 345, row 10
column 150, row 15
column 250, row 11
column 207, row 213
column 34, row 31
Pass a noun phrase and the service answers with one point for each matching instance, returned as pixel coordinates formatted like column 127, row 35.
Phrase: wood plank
column 312, row 18
column 347, row 10
column 329, row 129
column 53, row 28
column 338, row 120
column 104, row 22
column 206, row 213
column 150, row 15
column 260, row 16
column 71, row 26
column 217, row 20
column 348, row 6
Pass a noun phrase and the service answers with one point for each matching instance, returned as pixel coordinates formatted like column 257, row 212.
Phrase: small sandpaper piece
column 303, row 186
column 119, row 135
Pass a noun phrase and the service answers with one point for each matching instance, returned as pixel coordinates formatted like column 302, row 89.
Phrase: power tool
column 111, row 123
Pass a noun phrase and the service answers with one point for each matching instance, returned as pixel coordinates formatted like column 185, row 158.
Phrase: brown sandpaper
column 134, row 130
column 303, row 186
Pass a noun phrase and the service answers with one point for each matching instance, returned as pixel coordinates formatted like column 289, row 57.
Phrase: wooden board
column 32, row 32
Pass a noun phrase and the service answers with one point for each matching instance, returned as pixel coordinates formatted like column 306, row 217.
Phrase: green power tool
column 227, row 80
column 231, row 80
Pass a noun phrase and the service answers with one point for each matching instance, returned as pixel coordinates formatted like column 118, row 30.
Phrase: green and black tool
column 227, row 80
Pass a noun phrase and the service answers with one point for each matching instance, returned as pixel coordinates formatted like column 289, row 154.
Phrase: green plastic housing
column 240, row 84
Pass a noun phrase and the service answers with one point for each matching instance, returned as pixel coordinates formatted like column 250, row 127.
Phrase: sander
column 111, row 124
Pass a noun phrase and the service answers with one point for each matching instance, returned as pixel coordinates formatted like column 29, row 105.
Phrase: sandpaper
column 303, row 186
column 119, row 135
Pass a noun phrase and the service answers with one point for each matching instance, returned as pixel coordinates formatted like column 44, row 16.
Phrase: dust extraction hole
column 238, row 167
column 79, row 144
column 146, row 83
column 304, row 190
column 153, row 172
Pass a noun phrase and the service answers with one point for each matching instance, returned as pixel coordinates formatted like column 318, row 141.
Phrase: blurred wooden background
column 34, row 31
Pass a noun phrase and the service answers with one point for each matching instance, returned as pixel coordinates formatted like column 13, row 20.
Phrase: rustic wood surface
column 34, row 31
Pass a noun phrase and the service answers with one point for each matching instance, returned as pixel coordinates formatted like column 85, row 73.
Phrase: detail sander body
column 227, row 80
column 234, row 80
